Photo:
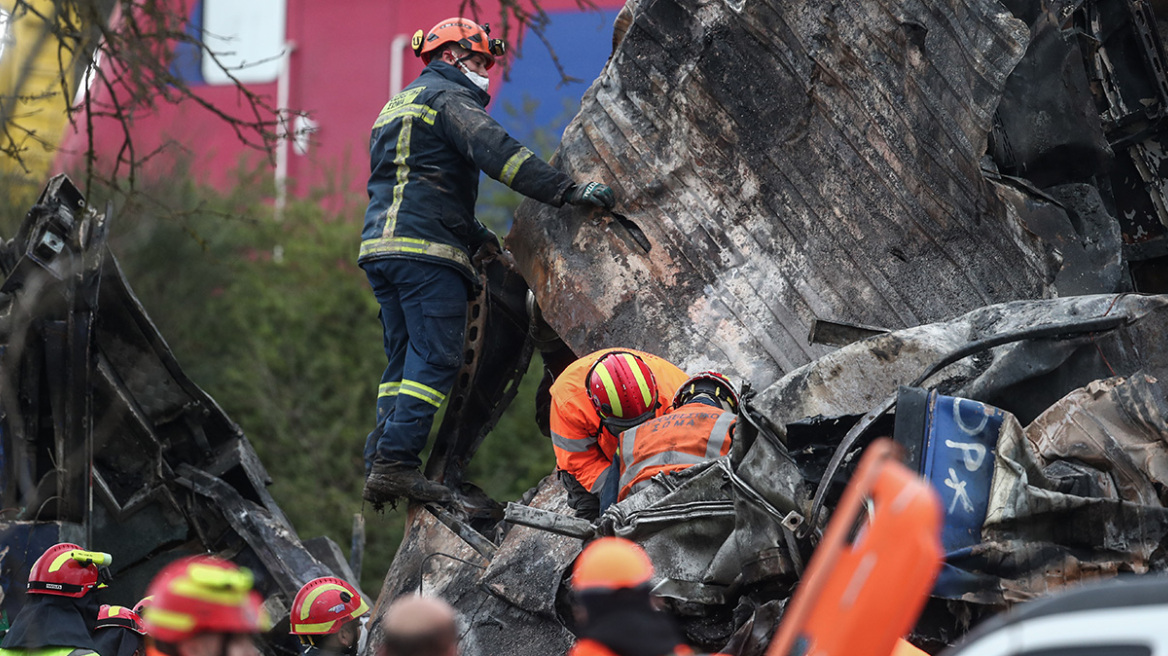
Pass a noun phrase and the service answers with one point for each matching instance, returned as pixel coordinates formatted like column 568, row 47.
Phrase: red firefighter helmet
column 202, row 594
column 67, row 570
column 610, row 564
column 622, row 389
column 712, row 384
column 118, row 616
column 324, row 605
column 464, row 32
column 142, row 605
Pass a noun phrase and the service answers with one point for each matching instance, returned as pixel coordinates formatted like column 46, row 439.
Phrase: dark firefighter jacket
column 427, row 148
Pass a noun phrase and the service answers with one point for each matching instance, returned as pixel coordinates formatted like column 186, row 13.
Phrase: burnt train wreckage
column 976, row 188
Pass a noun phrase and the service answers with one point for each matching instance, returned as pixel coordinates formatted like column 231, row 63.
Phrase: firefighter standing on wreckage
column 592, row 401
column 428, row 145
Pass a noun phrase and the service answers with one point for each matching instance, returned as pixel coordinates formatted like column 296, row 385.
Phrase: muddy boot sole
column 387, row 483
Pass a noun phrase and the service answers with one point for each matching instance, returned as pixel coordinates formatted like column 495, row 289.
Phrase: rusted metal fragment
column 788, row 162
column 1117, row 427
column 1079, row 494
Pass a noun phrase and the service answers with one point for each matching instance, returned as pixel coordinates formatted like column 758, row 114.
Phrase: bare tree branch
column 122, row 53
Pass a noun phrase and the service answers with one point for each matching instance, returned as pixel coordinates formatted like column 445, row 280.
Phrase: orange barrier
column 859, row 596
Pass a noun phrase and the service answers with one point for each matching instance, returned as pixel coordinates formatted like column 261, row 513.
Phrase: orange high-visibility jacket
column 693, row 433
column 588, row 647
column 583, row 448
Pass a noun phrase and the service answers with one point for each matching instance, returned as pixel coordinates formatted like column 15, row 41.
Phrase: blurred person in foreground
column 203, row 606
column 419, row 626
column 613, row 607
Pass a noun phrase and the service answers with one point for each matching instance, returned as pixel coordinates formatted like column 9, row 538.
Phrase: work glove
column 491, row 251
column 586, row 504
column 591, row 193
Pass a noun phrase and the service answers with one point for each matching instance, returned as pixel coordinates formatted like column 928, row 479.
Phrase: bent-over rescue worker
column 326, row 615
column 119, row 632
column 697, row 429
column 612, row 606
column 203, row 606
column 427, row 148
column 415, row 625
column 592, row 401
column 60, row 611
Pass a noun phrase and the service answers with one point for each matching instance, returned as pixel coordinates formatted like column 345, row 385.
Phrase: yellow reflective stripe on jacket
column 388, row 389
column 427, row 394
column 427, row 114
column 513, row 164
column 47, row 651
column 403, row 105
column 411, row 246
column 401, row 160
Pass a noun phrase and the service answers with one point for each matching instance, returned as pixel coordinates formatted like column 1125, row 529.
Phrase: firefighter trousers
column 423, row 315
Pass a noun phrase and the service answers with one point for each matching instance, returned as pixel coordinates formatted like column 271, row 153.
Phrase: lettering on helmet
column 54, row 586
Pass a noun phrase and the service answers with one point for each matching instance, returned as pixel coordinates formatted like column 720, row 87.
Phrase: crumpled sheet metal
column 506, row 603
column 1103, row 513
column 860, row 376
column 789, row 161
column 529, row 565
column 716, row 527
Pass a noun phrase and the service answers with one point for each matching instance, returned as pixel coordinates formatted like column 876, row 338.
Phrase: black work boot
column 388, row 481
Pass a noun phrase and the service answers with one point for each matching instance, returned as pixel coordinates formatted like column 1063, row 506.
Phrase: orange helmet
column 712, row 384
column 118, row 616
column 324, row 605
column 611, row 564
column 464, row 32
column 202, row 594
column 67, row 570
column 623, row 390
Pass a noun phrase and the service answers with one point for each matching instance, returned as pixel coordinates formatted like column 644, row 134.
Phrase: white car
column 1127, row 616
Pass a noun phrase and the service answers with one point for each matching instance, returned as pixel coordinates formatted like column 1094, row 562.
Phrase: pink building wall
column 339, row 71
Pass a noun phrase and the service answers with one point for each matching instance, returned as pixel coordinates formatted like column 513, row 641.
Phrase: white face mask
column 481, row 81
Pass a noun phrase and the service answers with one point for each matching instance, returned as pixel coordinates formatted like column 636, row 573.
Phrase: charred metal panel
column 497, row 352
column 433, row 559
column 1024, row 378
column 788, row 162
column 91, row 392
column 1125, row 58
column 1047, row 127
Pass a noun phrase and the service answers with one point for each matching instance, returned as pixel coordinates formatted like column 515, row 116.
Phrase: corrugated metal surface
column 789, row 161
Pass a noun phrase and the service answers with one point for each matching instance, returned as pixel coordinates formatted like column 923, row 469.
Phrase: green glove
column 591, row 193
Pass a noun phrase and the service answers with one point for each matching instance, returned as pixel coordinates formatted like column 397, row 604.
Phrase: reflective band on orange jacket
column 693, row 433
column 582, row 448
